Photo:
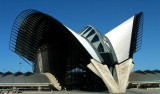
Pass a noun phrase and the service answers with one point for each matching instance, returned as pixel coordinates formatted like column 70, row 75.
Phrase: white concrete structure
column 53, row 80
column 121, row 42
column 119, row 82
column 120, row 38
column 53, row 48
column 122, row 72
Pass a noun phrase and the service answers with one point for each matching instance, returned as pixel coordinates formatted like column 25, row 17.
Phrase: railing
column 21, row 87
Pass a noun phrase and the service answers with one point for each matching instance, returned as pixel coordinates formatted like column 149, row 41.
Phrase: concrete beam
column 117, row 84
column 91, row 67
column 104, row 73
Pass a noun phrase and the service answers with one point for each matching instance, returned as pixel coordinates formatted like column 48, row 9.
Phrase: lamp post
column 20, row 66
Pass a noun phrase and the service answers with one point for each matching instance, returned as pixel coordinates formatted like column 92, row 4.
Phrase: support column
column 39, row 88
column 122, row 72
column 103, row 72
column 42, row 60
column 39, row 63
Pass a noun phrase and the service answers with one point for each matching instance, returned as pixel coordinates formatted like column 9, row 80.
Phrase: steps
column 53, row 81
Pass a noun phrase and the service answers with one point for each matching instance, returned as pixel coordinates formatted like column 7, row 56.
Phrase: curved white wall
column 120, row 38
column 85, row 44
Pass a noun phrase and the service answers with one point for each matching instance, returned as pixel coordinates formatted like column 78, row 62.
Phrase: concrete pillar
column 42, row 62
column 39, row 88
column 103, row 72
column 39, row 63
column 122, row 72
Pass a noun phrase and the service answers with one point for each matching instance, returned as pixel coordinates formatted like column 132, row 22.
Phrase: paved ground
column 129, row 91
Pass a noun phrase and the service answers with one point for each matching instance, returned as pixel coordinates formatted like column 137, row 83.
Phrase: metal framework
column 25, row 33
column 137, row 34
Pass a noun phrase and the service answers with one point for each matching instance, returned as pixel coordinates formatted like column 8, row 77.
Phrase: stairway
column 53, row 81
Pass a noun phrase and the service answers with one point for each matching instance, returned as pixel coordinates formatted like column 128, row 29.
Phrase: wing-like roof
column 126, row 38
column 33, row 29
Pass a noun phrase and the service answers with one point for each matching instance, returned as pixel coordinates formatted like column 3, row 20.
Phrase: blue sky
column 76, row 14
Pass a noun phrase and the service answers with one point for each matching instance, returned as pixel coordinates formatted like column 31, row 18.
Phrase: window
column 88, row 29
column 91, row 33
column 95, row 39
column 100, row 48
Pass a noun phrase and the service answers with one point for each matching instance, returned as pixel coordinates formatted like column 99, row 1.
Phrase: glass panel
column 95, row 39
column 91, row 33
column 100, row 48
column 87, row 30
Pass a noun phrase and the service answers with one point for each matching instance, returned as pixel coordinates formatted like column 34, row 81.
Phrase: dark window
column 91, row 33
column 100, row 48
column 95, row 39
column 87, row 30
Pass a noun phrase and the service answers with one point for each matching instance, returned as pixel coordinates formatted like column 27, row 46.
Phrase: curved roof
column 126, row 38
column 32, row 29
column 87, row 46
column 29, row 33
column 120, row 43
column 95, row 37
column 98, row 43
